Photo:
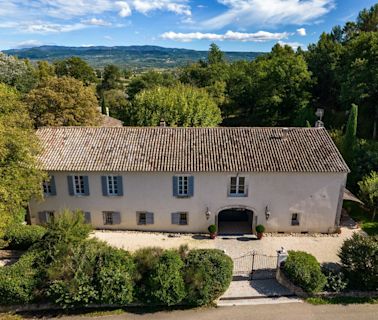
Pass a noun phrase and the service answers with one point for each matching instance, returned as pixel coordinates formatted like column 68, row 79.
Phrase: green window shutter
column 70, row 185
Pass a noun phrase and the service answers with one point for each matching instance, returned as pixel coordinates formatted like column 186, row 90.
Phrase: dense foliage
column 208, row 273
column 63, row 102
column 19, row 281
column 179, row 106
column 70, row 269
column 359, row 259
column 20, row 179
column 304, row 271
column 21, row 237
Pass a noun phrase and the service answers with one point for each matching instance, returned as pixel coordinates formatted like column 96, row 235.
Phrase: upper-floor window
column 78, row 185
column 238, row 187
column 49, row 188
column 79, row 188
column 183, row 186
column 112, row 185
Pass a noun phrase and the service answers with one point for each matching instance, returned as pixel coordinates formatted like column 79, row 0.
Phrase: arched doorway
column 235, row 221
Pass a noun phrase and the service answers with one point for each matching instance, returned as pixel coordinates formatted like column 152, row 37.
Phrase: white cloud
column 301, row 31
column 96, row 22
column 259, row 36
column 269, row 12
column 124, row 9
column 294, row 45
column 29, row 44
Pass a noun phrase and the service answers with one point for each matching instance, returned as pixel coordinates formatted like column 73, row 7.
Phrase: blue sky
column 239, row 25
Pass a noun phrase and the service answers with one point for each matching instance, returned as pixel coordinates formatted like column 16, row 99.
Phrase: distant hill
column 131, row 57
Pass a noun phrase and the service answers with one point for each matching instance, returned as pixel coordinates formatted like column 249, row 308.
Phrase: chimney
column 162, row 123
column 285, row 132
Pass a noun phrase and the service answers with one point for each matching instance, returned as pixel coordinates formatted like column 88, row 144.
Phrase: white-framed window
column 111, row 217
column 295, row 219
column 79, row 185
column 237, row 187
column 112, row 185
column 47, row 187
column 144, row 218
column 183, row 185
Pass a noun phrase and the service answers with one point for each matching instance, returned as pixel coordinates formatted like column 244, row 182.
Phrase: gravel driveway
column 323, row 247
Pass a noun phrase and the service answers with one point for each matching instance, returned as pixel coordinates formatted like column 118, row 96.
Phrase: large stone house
column 184, row 179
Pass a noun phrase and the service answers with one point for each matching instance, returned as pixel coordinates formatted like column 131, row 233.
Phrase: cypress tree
column 349, row 140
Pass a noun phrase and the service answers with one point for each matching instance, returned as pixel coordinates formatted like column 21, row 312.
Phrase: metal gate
column 255, row 266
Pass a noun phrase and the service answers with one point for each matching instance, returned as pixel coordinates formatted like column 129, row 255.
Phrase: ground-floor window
column 46, row 216
column 144, row 218
column 180, row 218
column 295, row 219
column 111, row 217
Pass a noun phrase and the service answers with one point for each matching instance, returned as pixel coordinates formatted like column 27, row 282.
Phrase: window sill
column 237, row 195
column 183, row 197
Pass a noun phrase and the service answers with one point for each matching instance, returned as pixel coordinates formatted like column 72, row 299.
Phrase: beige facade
column 315, row 197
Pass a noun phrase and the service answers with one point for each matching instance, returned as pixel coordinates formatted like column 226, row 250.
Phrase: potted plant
column 260, row 231
column 212, row 230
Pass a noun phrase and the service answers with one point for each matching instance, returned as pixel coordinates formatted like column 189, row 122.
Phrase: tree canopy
column 181, row 105
column 63, row 102
column 77, row 68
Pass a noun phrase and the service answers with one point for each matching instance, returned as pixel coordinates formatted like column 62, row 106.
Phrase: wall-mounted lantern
column 267, row 213
column 207, row 213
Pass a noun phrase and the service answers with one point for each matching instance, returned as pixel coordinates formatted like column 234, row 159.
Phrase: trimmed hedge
column 18, row 282
column 22, row 237
column 208, row 274
column 304, row 271
column 359, row 259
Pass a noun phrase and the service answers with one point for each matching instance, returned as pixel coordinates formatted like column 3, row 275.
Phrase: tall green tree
column 111, row 78
column 63, row 102
column 350, row 137
column 17, row 73
column 369, row 191
column 77, row 68
column 20, row 178
column 215, row 55
column 181, row 105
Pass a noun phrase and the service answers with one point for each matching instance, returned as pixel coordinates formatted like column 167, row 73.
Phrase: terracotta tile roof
column 110, row 122
column 189, row 149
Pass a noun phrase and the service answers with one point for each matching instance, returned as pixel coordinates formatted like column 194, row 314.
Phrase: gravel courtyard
column 323, row 247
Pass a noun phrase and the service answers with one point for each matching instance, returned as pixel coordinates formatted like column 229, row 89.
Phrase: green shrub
column 92, row 272
column 165, row 283
column 19, row 281
column 260, row 228
column 212, row 228
column 304, row 271
column 21, row 237
column 336, row 281
column 65, row 231
column 114, row 275
column 208, row 273
column 359, row 259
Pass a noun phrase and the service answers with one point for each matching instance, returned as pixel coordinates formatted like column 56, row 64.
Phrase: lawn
column 363, row 217
column 341, row 300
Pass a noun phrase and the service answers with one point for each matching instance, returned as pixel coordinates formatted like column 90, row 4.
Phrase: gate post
column 253, row 260
column 281, row 256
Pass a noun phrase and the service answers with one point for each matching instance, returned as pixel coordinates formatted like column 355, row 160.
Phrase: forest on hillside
column 338, row 74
